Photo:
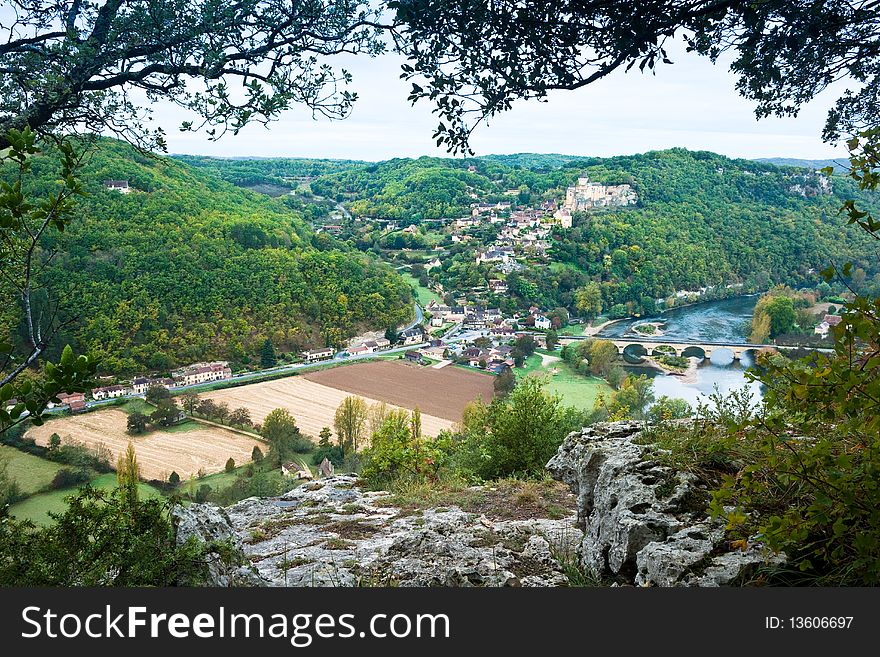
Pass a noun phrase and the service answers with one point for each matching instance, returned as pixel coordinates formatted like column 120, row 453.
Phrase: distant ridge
column 839, row 164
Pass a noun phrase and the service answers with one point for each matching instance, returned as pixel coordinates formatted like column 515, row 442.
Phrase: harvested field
column 314, row 405
column 158, row 452
column 440, row 392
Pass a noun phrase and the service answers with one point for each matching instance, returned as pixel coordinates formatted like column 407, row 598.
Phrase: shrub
column 65, row 478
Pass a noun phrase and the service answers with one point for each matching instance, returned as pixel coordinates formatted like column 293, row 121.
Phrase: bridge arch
column 634, row 352
column 695, row 351
column 721, row 355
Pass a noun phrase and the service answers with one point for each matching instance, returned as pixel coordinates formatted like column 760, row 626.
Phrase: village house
column 475, row 320
column 412, row 229
column 315, row 355
column 295, row 470
column 498, row 368
column 380, row 343
column 501, row 331
column 202, row 373
column 141, row 384
column 543, row 323
column 120, row 186
column 494, row 255
column 437, row 352
column 497, row 286
column 476, row 356
column 437, row 321
column 825, row 325
column 110, row 392
column 563, row 217
column 413, row 356
column 138, row 386
column 75, row 401
column 359, row 350
column 413, row 335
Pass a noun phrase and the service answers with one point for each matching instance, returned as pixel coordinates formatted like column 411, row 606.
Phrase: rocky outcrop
column 333, row 533
column 644, row 523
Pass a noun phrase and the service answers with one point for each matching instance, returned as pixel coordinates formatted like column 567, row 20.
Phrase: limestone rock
column 644, row 523
column 333, row 533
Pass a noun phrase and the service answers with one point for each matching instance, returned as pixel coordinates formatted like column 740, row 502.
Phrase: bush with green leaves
column 398, row 450
column 515, row 435
column 102, row 539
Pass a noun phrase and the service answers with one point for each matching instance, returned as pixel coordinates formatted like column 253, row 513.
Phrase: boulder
column 644, row 523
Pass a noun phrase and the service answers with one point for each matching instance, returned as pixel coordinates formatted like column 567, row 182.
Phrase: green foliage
column 630, row 401
column 350, row 422
column 102, row 539
column 230, row 464
column 156, row 394
column 398, row 451
column 66, row 478
column 267, row 355
column 137, row 423
column 284, row 437
column 504, row 383
column 157, row 279
column 166, row 413
column 326, row 449
column 10, row 492
column 256, row 454
column 174, row 478
column 588, row 300
column 669, row 408
column 516, row 435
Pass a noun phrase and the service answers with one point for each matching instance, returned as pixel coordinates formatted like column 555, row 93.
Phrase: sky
column 692, row 104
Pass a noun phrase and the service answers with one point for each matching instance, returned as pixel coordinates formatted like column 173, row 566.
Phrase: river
column 713, row 321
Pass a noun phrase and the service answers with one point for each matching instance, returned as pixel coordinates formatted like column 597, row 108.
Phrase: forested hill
column 702, row 219
column 839, row 165
column 188, row 267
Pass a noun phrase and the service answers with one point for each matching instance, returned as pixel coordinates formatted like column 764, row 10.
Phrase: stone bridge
column 657, row 346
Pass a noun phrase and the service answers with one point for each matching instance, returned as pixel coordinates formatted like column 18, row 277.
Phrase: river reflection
column 714, row 321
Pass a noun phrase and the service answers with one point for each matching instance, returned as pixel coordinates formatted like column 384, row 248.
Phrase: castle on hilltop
column 586, row 195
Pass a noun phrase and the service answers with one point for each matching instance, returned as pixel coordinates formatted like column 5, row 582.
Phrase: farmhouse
column 76, row 401
column 827, row 322
column 202, row 373
column 141, row 384
column 120, row 186
column 433, row 352
column 413, row 335
column 296, row 471
column 110, row 392
column 315, row 355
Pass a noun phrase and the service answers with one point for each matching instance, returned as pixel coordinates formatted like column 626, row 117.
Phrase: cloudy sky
column 691, row 104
